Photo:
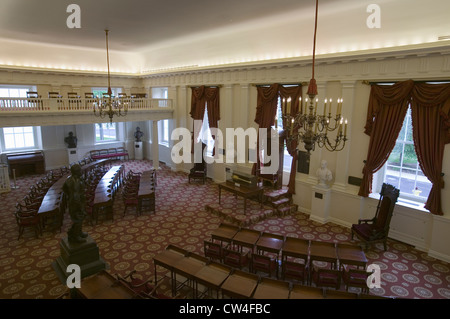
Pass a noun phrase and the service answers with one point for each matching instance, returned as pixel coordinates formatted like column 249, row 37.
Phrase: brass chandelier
column 309, row 127
column 108, row 105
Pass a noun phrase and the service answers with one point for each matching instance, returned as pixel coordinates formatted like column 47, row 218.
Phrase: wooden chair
column 130, row 199
column 199, row 169
column 377, row 229
column 27, row 219
column 324, row 277
column 356, row 278
column 123, row 152
column 234, row 258
column 263, row 263
column 213, row 251
column 143, row 288
column 294, row 270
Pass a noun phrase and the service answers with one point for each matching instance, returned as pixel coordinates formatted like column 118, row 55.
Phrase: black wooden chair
column 377, row 229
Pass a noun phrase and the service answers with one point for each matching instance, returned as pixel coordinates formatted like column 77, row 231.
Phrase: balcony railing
column 55, row 105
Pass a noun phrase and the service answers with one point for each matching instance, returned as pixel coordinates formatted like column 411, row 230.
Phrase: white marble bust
column 323, row 174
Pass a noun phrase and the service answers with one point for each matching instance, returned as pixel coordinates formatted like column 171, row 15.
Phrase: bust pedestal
column 72, row 154
column 320, row 204
column 85, row 255
column 138, row 151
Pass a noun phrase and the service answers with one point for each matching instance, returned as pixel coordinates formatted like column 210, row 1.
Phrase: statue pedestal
column 86, row 255
column 138, row 151
column 320, row 204
column 72, row 154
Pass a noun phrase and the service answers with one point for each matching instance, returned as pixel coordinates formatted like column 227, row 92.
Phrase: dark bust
column 71, row 140
column 138, row 134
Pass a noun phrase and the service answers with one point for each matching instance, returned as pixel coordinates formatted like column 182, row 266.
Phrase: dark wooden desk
column 243, row 192
column 272, row 289
column 224, row 233
column 167, row 259
column 212, row 276
column 240, row 284
column 351, row 255
column 105, row 190
column 305, row 292
column 246, row 238
column 323, row 251
column 295, row 247
column 270, row 242
column 104, row 286
column 187, row 267
column 146, row 191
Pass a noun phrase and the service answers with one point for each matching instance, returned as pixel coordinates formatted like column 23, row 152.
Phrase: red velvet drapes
column 293, row 92
column 387, row 110
column 266, row 109
column 201, row 96
column 431, row 131
column 430, row 105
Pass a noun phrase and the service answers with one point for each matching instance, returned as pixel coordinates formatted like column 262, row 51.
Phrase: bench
column 109, row 153
column 26, row 163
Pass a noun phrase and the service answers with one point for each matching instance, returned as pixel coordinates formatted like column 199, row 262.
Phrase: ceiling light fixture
column 311, row 128
column 108, row 105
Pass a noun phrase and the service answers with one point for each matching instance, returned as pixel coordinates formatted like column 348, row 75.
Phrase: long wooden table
column 53, row 205
column 233, row 282
column 105, row 190
column 104, row 286
column 146, row 191
column 244, row 192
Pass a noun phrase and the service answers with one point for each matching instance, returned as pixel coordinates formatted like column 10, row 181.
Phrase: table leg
column 245, row 205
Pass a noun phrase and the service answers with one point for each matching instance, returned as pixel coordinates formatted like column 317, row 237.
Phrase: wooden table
column 212, row 276
column 270, row 243
column 243, row 192
column 295, row 247
column 188, row 267
column 305, row 292
column 272, row 289
column 146, row 191
column 240, row 284
column 104, row 286
column 167, row 259
column 351, row 255
column 323, row 251
column 224, row 233
column 246, row 238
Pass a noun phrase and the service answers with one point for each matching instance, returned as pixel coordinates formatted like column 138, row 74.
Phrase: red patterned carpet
column 130, row 242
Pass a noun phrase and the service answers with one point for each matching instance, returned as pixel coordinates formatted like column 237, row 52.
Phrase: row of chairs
column 92, row 179
column 75, row 95
column 290, row 269
column 130, row 190
column 121, row 153
column 26, row 213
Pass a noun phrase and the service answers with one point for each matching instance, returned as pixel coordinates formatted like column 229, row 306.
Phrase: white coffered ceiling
column 152, row 36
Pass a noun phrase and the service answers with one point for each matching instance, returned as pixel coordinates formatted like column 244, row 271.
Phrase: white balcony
column 55, row 111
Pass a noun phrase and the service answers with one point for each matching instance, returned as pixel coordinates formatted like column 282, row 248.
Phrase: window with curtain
column 287, row 161
column 105, row 132
column 205, row 134
column 402, row 168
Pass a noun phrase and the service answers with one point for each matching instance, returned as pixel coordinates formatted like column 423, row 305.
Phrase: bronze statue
column 138, row 134
column 74, row 190
column 71, row 140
